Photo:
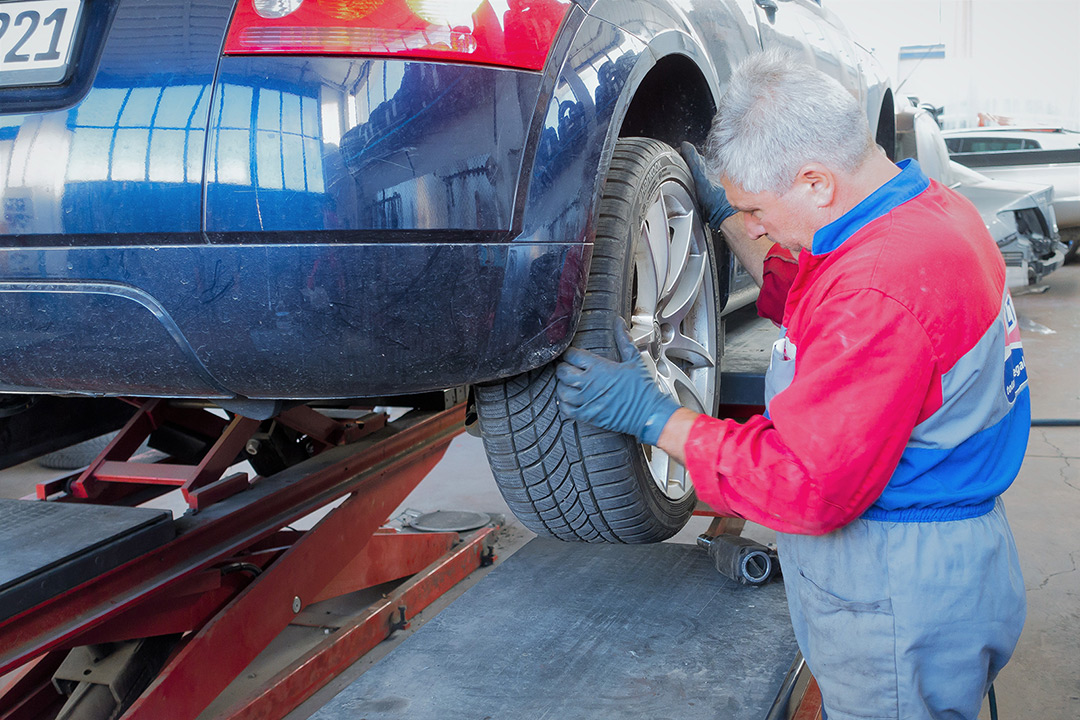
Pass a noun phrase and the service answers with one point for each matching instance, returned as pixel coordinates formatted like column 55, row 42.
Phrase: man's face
column 786, row 218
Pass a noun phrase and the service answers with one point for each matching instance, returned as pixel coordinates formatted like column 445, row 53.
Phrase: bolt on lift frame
column 236, row 575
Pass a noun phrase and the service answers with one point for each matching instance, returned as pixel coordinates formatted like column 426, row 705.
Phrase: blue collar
column 910, row 182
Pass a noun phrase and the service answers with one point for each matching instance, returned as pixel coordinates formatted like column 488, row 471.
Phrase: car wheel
column 654, row 265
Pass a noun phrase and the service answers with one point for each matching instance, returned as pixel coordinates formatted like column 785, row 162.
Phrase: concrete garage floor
column 1043, row 679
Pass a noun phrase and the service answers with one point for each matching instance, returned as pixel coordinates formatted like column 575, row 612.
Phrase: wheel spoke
column 660, row 466
column 684, row 388
column 655, row 237
column 676, row 476
column 651, row 365
column 663, row 377
column 647, row 286
column 641, row 330
column 690, row 350
column 682, row 237
column 675, row 310
column 668, row 474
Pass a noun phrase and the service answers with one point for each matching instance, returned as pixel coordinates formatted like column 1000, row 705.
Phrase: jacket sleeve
column 777, row 276
column 833, row 437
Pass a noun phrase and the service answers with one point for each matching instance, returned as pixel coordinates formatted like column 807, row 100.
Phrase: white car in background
column 1037, row 155
column 1019, row 216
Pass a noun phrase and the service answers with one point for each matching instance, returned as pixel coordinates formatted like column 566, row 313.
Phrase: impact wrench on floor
column 741, row 559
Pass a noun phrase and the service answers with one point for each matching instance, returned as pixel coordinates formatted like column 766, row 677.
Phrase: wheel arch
column 674, row 100
column 671, row 95
column 667, row 76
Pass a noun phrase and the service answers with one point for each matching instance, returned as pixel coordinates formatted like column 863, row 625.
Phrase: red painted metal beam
column 304, row 677
column 207, row 495
column 113, row 465
column 221, row 455
column 242, row 629
column 148, row 473
column 30, row 695
column 327, row 431
column 176, row 614
column 121, row 447
column 192, row 604
column 810, row 705
column 387, row 557
column 202, row 484
column 226, row 528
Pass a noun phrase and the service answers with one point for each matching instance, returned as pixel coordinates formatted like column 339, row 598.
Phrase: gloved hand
column 619, row 396
column 710, row 195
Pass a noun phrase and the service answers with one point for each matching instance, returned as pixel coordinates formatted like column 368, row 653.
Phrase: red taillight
column 514, row 33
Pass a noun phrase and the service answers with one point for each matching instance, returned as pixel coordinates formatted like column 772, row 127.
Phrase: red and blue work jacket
column 898, row 390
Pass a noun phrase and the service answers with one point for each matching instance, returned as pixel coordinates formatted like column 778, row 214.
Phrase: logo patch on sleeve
column 1015, row 373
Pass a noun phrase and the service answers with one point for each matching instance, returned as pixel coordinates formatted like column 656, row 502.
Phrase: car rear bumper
column 1044, row 266
column 1023, row 271
column 283, row 321
column 337, row 227
column 356, row 239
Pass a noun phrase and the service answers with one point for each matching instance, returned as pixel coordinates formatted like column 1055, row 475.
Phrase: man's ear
column 818, row 183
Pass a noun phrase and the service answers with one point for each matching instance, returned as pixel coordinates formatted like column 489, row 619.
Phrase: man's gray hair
column 779, row 114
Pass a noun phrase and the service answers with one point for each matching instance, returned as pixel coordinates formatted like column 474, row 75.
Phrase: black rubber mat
column 562, row 631
column 47, row 547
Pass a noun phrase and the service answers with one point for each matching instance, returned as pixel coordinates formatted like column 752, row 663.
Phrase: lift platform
column 565, row 630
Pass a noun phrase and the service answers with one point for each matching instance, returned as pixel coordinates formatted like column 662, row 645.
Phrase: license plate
column 36, row 37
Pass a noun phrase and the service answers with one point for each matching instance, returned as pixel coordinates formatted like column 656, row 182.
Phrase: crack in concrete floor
column 1060, row 452
column 1048, row 578
column 1068, row 466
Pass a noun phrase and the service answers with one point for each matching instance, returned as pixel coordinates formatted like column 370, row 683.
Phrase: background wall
column 1017, row 58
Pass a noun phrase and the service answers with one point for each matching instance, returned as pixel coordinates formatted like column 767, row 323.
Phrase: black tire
column 569, row 480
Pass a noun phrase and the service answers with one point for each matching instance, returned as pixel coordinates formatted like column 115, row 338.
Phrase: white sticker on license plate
column 36, row 38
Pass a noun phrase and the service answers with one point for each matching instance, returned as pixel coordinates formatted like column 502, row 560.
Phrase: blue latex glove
column 619, row 396
column 710, row 195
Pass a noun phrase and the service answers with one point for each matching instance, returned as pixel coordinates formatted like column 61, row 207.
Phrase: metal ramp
column 562, row 631
column 48, row 548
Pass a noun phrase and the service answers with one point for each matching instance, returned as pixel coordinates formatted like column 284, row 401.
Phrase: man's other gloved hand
column 619, row 396
column 710, row 195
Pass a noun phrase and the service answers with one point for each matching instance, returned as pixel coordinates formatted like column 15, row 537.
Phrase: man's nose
column 753, row 227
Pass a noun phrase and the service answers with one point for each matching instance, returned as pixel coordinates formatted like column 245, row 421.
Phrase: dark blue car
column 318, row 199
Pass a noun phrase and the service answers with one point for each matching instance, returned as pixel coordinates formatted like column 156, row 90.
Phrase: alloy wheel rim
column 673, row 321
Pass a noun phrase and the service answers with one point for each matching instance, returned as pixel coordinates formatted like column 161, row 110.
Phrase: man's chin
column 792, row 246
column 786, row 244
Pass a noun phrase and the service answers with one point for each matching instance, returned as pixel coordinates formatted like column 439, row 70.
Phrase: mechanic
column 897, row 400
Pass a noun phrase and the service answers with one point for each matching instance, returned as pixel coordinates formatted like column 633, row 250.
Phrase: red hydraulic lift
column 234, row 574
column 169, row 629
